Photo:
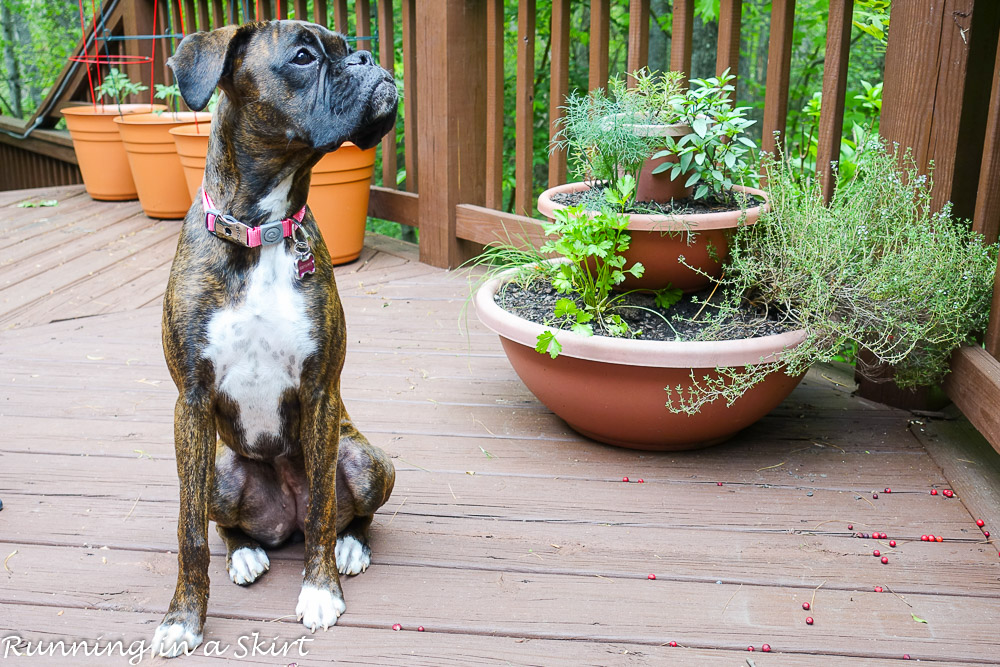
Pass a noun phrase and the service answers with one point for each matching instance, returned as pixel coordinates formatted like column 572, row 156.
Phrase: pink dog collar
column 231, row 229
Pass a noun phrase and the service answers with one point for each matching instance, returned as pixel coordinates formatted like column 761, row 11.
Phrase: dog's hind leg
column 365, row 477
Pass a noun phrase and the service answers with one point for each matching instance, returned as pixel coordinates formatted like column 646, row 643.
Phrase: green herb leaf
column 547, row 344
column 917, row 618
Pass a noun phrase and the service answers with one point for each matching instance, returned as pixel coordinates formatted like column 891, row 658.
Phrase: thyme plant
column 878, row 266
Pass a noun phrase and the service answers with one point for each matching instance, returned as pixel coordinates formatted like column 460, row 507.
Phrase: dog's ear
column 199, row 63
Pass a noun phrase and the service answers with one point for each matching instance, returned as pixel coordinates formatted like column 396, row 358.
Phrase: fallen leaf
column 94, row 357
column 917, row 618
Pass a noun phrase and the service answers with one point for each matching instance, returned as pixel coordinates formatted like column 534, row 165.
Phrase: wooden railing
column 940, row 98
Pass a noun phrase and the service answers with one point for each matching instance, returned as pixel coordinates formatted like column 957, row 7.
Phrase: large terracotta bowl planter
column 156, row 167
column 99, row 150
column 338, row 197
column 612, row 389
column 192, row 150
column 658, row 241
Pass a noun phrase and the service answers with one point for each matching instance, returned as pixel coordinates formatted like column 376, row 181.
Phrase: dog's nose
column 360, row 58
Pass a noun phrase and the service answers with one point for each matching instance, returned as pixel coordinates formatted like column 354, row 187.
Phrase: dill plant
column 877, row 266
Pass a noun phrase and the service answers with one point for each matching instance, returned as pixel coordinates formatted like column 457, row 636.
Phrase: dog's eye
column 303, row 57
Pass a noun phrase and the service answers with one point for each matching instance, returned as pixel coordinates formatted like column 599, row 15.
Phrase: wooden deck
column 510, row 539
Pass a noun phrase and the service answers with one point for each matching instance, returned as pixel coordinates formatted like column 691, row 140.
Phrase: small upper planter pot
column 613, row 389
column 659, row 187
column 659, row 241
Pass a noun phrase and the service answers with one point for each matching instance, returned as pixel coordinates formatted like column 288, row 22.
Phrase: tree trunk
column 13, row 77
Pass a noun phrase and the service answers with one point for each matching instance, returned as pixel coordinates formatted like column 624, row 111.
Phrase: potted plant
column 653, row 370
column 715, row 155
column 152, row 155
column 96, row 141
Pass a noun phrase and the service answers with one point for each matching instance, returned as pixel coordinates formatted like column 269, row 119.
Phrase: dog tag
column 306, row 264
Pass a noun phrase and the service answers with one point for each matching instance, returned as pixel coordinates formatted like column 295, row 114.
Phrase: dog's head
column 302, row 81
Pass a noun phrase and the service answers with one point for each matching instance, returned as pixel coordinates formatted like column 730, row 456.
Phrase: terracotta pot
column 156, row 167
column 660, row 187
column 192, row 149
column 99, row 150
column 612, row 389
column 658, row 241
column 338, row 198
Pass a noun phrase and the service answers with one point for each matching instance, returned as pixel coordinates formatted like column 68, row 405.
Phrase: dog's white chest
column 258, row 346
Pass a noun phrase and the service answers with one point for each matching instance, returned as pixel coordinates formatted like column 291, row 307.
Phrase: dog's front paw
column 246, row 565
column 318, row 607
column 174, row 638
column 353, row 556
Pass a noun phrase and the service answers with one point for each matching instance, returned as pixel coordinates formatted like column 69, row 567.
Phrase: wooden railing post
column 934, row 103
column 450, row 122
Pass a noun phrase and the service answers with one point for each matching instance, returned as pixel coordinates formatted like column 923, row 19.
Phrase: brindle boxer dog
column 254, row 335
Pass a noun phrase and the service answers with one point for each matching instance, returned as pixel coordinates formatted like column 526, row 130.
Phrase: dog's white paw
column 174, row 639
column 353, row 557
column 318, row 608
column 246, row 565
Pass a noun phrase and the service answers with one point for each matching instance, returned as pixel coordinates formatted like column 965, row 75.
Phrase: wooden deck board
column 508, row 536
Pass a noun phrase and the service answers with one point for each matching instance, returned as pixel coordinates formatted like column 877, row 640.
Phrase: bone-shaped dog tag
column 305, row 263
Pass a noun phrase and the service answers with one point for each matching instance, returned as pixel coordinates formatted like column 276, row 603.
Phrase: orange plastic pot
column 612, row 389
column 99, row 150
column 192, row 149
column 338, row 198
column 156, row 167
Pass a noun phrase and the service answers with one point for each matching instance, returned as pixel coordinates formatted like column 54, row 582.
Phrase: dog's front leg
column 194, row 442
column 321, row 601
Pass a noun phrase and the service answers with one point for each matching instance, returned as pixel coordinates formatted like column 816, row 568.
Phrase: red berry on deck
column 906, row 656
column 888, row 490
column 933, row 492
column 924, row 538
column 624, row 479
column 876, row 553
column 809, row 620
column 672, row 644
column 420, row 628
column 718, row 483
column 885, row 560
column 980, row 523
column 651, row 576
column 850, row 526
column 878, row 589
column 766, row 648
column 397, row 627
column 750, row 648
column 884, row 536
column 892, row 543
column 939, row 539
column 986, row 533
column 641, row 480
column 947, row 493
column 875, row 496
column 805, row 605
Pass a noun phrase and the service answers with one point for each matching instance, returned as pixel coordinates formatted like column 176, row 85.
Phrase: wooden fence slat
column 190, row 17
column 319, row 12
column 301, row 9
column 974, row 386
column 681, row 36
column 494, row 103
column 986, row 219
column 831, row 117
column 727, row 55
column 204, row 18
column 638, row 37
column 363, row 24
column 779, row 59
column 281, row 9
column 600, row 20
column 558, row 85
column 524, row 107
column 218, row 14
column 264, row 10
column 387, row 59
column 340, row 16
column 410, row 143
column 992, row 342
